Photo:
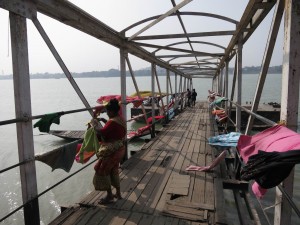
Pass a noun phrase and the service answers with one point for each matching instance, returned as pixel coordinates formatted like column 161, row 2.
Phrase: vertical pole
column 184, row 90
column 176, row 89
column 153, row 103
column 167, row 88
column 21, row 79
column 181, row 94
column 221, row 82
column 226, row 85
column 123, row 55
column 159, row 90
column 176, row 92
column 233, row 87
column 289, row 96
column 239, row 83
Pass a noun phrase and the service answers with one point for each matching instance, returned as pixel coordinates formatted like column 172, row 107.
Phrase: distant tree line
column 142, row 72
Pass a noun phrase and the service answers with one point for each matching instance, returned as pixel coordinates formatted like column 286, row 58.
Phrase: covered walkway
column 155, row 187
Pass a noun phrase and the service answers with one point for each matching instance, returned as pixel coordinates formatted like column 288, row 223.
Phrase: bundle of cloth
column 269, row 157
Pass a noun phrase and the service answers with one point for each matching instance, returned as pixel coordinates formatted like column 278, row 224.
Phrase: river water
column 55, row 95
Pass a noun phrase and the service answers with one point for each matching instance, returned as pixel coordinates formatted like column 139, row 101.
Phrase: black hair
column 113, row 105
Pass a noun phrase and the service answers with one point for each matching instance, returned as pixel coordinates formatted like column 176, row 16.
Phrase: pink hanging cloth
column 277, row 138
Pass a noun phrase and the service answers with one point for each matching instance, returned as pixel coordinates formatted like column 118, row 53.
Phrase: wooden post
column 233, row 87
column 167, row 88
column 21, row 79
column 181, row 95
column 176, row 94
column 226, row 85
column 159, row 90
column 289, row 97
column 220, row 84
column 123, row 55
column 153, row 102
column 239, row 83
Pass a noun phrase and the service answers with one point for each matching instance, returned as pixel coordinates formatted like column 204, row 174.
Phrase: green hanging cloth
column 89, row 145
column 45, row 122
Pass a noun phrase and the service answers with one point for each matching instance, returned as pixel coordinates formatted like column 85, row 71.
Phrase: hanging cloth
column 60, row 158
column 45, row 122
column 225, row 140
column 89, row 146
column 274, row 139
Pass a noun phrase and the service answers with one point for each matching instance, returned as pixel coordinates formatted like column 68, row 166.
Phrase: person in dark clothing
column 189, row 96
column 194, row 96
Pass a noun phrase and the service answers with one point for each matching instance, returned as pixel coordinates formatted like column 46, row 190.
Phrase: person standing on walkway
column 189, row 97
column 110, row 153
column 194, row 96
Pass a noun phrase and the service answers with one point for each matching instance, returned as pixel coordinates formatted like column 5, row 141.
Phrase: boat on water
column 177, row 177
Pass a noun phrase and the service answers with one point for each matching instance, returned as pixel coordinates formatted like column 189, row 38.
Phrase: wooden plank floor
column 155, row 187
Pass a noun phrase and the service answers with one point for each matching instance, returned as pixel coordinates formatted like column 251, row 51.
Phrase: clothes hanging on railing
column 269, row 169
column 225, row 140
column 60, row 158
column 88, row 147
column 278, row 139
column 46, row 121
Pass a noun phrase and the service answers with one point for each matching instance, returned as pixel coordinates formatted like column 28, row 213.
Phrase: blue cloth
column 225, row 140
column 218, row 101
column 171, row 113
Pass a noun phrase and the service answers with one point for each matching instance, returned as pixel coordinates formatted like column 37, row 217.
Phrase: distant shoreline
column 142, row 72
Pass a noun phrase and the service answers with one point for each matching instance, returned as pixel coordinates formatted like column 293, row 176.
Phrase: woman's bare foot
column 106, row 200
column 118, row 196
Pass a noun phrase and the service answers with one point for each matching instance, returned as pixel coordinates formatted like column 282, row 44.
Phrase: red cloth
column 135, row 100
column 86, row 155
column 140, row 131
column 149, row 120
column 112, row 131
column 110, row 165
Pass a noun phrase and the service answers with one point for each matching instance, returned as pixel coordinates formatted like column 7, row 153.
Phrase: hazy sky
column 82, row 53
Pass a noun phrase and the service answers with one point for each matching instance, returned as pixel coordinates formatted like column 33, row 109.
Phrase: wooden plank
column 220, row 215
column 62, row 217
column 135, row 197
column 192, row 205
column 142, row 186
column 134, row 218
column 80, row 212
column 146, row 219
column 151, row 191
column 159, row 220
column 184, row 213
column 120, row 218
column 159, row 200
column 91, row 215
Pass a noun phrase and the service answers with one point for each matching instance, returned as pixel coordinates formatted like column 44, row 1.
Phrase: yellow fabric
column 147, row 94
column 90, row 143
